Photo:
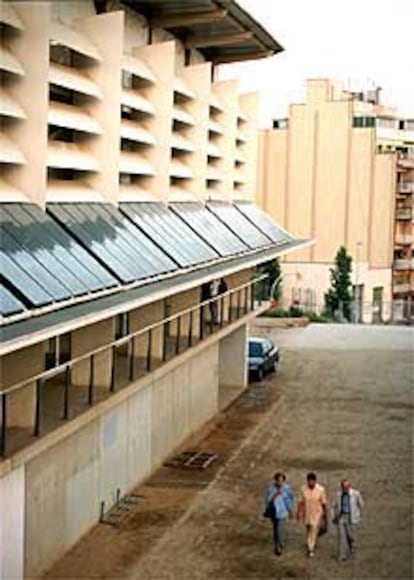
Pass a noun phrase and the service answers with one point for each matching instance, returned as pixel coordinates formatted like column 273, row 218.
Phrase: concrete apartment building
column 128, row 182
column 339, row 170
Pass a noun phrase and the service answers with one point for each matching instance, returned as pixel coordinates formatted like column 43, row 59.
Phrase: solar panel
column 113, row 240
column 9, row 304
column 239, row 224
column 42, row 262
column 169, row 232
column 23, row 282
column 262, row 221
column 210, row 228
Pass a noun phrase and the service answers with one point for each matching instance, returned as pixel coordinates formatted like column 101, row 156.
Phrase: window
column 364, row 122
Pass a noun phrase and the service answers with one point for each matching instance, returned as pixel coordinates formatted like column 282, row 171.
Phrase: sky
column 356, row 42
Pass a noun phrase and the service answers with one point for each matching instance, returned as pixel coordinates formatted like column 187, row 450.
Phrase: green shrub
column 314, row 317
column 277, row 312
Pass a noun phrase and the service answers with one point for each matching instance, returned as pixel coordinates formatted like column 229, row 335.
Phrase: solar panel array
column 79, row 249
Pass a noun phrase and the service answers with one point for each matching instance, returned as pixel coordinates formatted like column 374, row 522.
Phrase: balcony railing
column 402, row 264
column 403, row 213
column 406, row 160
column 403, row 239
column 56, row 399
column 406, row 187
column 401, row 288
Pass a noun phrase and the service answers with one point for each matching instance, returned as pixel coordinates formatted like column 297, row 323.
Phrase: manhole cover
column 192, row 460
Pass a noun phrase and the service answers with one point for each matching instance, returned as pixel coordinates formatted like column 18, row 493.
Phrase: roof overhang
column 39, row 328
column 221, row 29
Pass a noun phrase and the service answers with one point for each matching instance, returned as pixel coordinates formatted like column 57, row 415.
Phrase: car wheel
column 260, row 374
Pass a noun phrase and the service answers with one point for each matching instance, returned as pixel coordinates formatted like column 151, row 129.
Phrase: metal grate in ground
column 121, row 510
column 192, row 460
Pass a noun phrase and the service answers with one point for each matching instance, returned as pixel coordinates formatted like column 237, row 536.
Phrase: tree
column 273, row 270
column 339, row 296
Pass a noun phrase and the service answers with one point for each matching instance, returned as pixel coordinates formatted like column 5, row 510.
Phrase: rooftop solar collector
column 263, row 222
column 113, row 240
column 210, row 228
column 239, row 224
column 9, row 304
column 170, row 232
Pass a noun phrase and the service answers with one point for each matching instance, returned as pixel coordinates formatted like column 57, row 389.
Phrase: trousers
column 311, row 536
column 278, row 533
column 346, row 536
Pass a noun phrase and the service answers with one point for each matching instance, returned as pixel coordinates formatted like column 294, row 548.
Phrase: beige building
column 339, row 170
column 127, row 196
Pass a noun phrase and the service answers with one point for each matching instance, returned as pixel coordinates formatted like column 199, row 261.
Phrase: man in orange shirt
column 312, row 510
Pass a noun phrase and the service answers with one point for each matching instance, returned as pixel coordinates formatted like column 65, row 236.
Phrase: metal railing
column 403, row 213
column 226, row 308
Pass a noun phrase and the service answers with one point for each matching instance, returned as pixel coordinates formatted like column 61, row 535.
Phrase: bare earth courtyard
column 341, row 405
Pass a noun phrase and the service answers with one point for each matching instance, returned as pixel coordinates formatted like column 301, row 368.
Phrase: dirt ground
column 341, row 405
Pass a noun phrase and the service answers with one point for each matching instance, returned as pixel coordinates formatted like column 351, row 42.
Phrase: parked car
column 263, row 357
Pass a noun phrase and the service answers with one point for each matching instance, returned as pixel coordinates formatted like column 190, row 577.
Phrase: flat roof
column 221, row 29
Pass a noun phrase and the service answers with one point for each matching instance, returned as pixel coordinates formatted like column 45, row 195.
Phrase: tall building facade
column 127, row 197
column 339, row 170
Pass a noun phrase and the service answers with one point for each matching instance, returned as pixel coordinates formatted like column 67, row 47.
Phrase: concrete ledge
column 273, row 322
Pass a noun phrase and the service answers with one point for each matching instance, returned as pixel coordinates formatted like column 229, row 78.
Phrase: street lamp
column 277, row 281
column 357, row 290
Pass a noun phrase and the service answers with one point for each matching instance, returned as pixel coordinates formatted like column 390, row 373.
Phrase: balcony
column 402, row 264
column 401, row 288
column 403, row 213
column 57, row 399
column 405, row 187
column 406, row 160
column 403, row 239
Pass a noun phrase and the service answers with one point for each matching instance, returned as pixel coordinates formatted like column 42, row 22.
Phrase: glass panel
column 264, row 223
column 32, row 267
column 29, row 235
column 114, row 240
column 9, row 304
column 241, row 226
column 94, row 237
column 255, row 349
column 169, row 232
column 25, row 284
column 210, row 228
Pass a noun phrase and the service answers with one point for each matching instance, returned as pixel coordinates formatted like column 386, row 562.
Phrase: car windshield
column 255, row 349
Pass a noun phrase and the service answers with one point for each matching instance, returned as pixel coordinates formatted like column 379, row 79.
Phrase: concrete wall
column 114, row 445
column 232, row 359
column 12, row 508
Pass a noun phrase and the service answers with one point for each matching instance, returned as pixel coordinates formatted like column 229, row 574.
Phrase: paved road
column 342, row 405
column 347, row 411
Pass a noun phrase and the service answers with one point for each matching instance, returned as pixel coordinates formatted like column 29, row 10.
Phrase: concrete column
column 14, row 368
column 232, row 359
column 180, row 302
column 87, row 339
column 142, row 317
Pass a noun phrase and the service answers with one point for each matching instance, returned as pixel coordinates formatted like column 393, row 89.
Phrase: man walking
column 312, row 510
column 278, row 506
column 346, row 514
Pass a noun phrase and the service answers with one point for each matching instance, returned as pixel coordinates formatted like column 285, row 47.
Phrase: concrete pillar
column 87, row 339
column 142, row 317
column 232, row 358
column 180, row 302
column 15, row 368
